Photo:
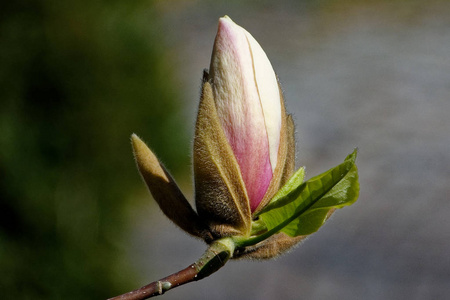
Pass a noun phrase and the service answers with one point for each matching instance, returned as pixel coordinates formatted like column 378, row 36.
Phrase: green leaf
column 288, row 192
column 302, row 208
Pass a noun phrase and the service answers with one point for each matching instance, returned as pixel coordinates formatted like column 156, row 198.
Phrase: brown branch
column 212, row 260
column 159, row 287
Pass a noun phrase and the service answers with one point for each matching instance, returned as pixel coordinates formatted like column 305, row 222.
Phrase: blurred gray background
column 77, row 222
column 367, row 74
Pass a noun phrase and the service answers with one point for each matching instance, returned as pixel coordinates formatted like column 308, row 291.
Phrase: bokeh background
column 78, row 77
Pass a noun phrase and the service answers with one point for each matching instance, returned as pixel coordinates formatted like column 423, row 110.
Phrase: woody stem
column 212, row 260
column 161, row 286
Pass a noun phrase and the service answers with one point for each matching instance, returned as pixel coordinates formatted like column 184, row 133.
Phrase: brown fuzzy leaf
column 269, row 248
column 221, row 198
column 166, row 192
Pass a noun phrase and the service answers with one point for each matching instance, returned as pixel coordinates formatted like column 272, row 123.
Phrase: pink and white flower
column 244, row 148
column 248, row 103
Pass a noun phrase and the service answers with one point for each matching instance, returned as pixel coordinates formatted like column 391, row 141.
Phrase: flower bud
column 247, row 99
column 244, row 146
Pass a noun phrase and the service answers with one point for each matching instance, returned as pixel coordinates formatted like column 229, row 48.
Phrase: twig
column 212, row 260
column 161, row 286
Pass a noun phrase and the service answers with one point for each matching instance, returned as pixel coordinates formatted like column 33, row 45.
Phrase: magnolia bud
column 247, row 99
column 244, row 142
column 244, row 148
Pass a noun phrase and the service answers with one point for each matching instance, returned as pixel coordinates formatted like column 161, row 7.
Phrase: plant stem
column 161, row 286
column 212, row 260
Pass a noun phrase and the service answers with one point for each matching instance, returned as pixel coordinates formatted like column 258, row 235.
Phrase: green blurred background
column 78, row 77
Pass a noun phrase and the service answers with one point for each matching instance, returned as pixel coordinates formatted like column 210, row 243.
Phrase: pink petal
column 239, row 107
